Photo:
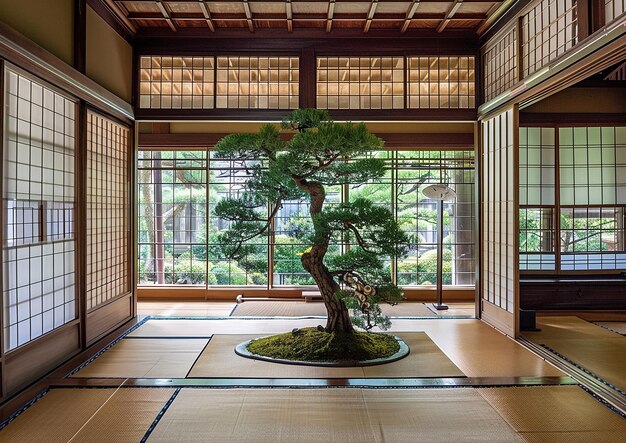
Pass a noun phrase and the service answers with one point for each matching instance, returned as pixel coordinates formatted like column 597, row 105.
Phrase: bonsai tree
column 321, row 153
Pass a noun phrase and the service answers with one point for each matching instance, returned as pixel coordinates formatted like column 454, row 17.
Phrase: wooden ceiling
column 288, row 16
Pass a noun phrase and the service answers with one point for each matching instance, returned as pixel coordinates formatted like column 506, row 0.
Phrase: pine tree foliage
column 316, row 156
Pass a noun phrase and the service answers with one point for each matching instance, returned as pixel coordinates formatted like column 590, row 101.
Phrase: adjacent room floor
column 175, row 377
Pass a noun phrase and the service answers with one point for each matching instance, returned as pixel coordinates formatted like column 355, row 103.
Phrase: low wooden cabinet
column 573, row 293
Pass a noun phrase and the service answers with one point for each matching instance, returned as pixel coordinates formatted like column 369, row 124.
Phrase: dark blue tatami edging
column 23, row 409
column 606, row 327
column 232, row 311
column 160, row 415
column 106, row 348
column 582, row 368
column 602, row 401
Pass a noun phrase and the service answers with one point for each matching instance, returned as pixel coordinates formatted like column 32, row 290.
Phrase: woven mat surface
column 220, row 360
column 88, row 415
column 332, row 415
column 206, row 328
column 476, row 348
column 542, row 412
column 615, row 326
column 146, row 358
column 303, row 309
column 185, row 309
column 588, row 345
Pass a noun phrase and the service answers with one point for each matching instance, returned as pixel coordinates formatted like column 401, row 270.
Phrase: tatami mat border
column 607, row 328
column 162, row 412
column 107, row 347
column 314, row 383
column 582, row 368
column 23, row 409
column 602, row 401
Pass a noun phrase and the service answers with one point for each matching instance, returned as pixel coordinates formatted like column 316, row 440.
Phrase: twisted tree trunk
column 313, row 262
column 338, row 316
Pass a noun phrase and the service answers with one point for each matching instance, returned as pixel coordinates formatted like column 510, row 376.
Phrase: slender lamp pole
column 439, row 193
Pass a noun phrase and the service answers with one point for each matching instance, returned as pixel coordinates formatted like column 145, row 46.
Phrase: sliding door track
column 599, row 388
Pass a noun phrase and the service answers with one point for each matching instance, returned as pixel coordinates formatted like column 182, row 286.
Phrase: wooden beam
column 80, row 35
column 246, row 8
column 409, row 15
column 392, row 140
column 118, row 12
column 329, row 16
column 454, row 7
column 289, row 12
column 207, row 15
column 493, row 14
column 370, row 15
column 21, row 51
column 166, row 15
column 280, row 17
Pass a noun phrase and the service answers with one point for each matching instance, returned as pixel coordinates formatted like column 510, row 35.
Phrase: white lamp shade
column 439, row 192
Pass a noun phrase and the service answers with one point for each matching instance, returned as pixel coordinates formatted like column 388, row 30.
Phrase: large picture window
column 178, row 234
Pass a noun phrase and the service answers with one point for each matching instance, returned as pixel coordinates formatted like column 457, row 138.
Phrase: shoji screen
column 38, row 287
column 500, row 224
column 108, row 210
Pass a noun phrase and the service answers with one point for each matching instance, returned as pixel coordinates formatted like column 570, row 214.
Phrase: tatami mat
column 476, row 348
column 125, row 417
column 574, row 437
column 206, row 328
column 615, row 326
column 220, row 360
column 279, row 309
column 331, row 415
column 455, row 309
column 88, row 415
column 558, row 327
column 548, row 409
column 407, row 309
column 146, row 358
column 424, row 360
column 185, row 309
column 594, row 348
column 57, row 417
column 303, row 309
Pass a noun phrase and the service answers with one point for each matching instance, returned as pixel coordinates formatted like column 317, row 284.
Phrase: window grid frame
column 224, row 64
column 415, row 82
column 466, row 156
column 107, row 223
column 40, row 135
column 560, row 206
column 500, row 64
column 613, row 9
column 543, row 25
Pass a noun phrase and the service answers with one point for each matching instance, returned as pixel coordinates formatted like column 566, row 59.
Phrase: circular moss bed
column 311, row 346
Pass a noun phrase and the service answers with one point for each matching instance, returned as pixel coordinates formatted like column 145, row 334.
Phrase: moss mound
column 312, row 345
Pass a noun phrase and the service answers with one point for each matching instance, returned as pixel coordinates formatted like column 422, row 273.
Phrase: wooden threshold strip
column 449, row 382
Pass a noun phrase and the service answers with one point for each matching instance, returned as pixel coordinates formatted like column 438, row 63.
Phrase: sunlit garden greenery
column 189, row 252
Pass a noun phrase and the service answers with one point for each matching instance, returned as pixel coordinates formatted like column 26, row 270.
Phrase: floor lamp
column 440, row 193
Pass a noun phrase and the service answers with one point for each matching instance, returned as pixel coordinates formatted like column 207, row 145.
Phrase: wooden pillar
column 80, row 35
column 80, row 219
column 583, row 18
column 597, row 15
column 307, row 78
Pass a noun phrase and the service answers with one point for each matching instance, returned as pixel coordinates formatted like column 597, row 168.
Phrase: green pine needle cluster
column 319, row 152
